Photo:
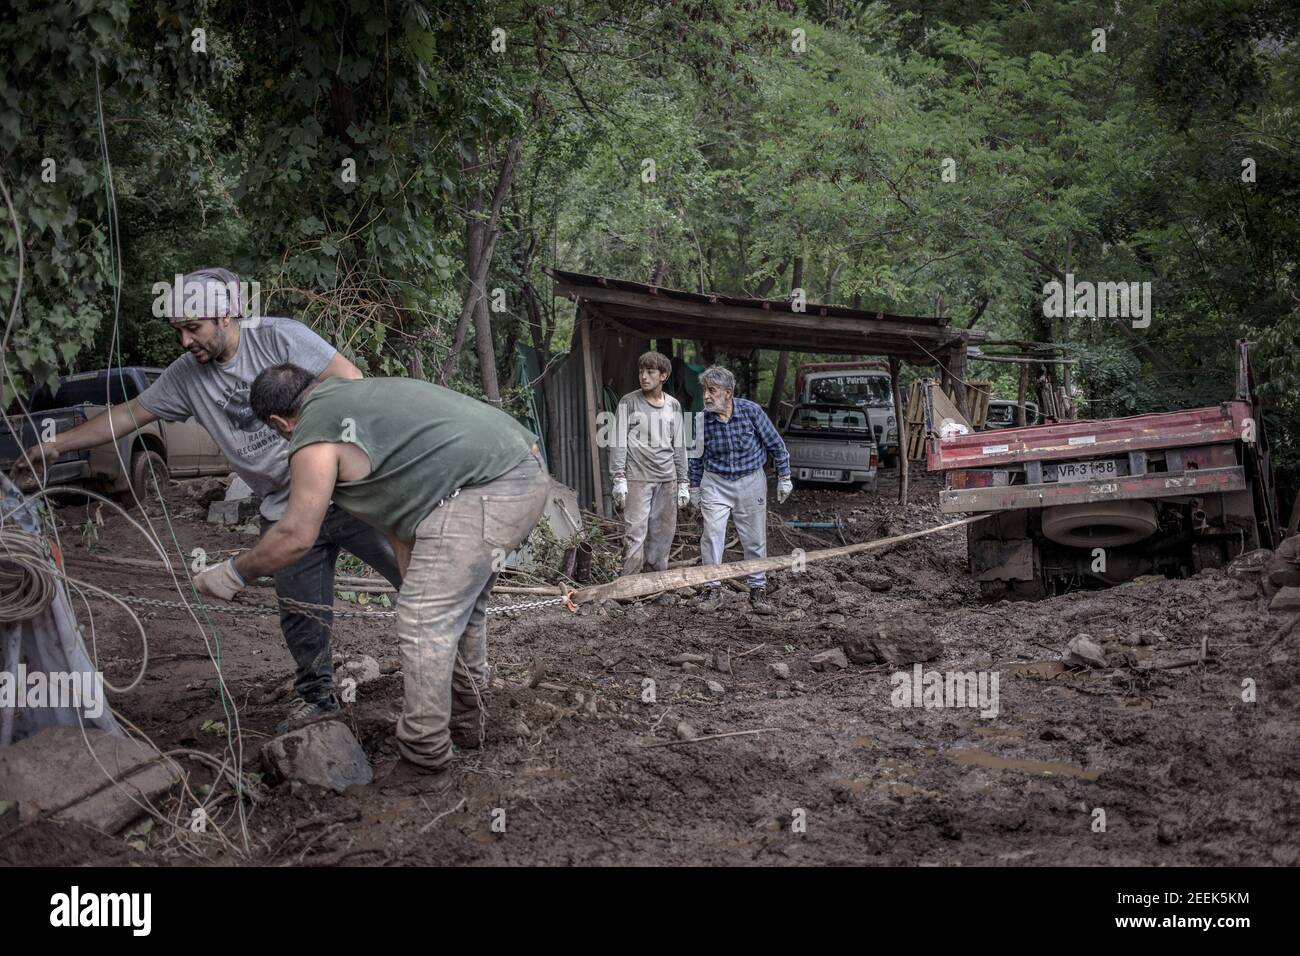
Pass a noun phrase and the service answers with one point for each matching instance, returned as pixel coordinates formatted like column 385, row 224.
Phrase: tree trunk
column 480, row 241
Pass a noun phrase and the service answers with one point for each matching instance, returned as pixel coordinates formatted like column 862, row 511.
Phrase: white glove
column 683, row 493
column 693, row 496
column 220, row 581
column 620, row 493
column 783, row 488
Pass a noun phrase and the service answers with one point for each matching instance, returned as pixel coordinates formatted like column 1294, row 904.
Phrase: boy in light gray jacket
column 648, row 465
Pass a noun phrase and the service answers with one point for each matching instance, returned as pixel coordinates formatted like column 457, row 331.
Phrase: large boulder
column 905, row 639
column 323, row 754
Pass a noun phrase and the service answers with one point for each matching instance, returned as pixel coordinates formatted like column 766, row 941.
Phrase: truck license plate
column 1087, row 470
column 831, row 473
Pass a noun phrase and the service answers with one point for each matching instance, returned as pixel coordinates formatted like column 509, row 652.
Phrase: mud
column 578, row 769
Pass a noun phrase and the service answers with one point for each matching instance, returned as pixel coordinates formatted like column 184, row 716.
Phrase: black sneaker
column 712, row 601
column 302, row 713
column 758, row 602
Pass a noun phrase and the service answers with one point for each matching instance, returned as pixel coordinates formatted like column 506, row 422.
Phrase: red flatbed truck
column 1095, row 503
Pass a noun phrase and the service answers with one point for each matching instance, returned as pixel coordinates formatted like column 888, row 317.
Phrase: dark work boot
column 758, row 602
column 712, row 601
column 468, row 728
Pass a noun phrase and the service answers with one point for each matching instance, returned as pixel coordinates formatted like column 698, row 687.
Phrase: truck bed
column 1087, row 439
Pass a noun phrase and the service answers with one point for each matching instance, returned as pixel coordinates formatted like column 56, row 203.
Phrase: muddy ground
column 1185, row 771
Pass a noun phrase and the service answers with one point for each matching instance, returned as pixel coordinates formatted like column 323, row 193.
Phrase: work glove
column 620, row 493
column 220, row 581
column 683, row 494
column 783, row 488
column 693, row 496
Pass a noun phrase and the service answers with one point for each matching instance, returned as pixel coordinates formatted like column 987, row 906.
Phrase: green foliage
column 1122, row 164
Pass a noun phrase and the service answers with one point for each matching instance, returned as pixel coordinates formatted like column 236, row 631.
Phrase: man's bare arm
column 118, row 422
column 312, row 473
column 339, row 367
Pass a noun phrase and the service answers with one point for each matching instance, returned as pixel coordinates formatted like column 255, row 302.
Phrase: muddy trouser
column 650, row 517
column 744, row 500
column 311, row 579
column 441, row 611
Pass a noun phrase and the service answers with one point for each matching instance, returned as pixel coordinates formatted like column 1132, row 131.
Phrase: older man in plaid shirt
column 728, row 481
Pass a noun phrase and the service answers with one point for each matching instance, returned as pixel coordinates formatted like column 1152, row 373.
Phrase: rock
column 521, row 729
column 232, row 512
column 688, row 659
column 826, row 660
column 685, row 731
column 250, row 530
column 722, row 662
column 323, row 754
column 714, row 688
column 55, row 769
column 690, row 668
column 1082, row 651
column 873, row 581
column 1286, row 600
column 905, row 639
column 204, row 491
column 362, row 670
column 780, row 670
column 799, row 686
column 1150, row 636
column 795, row 615
column 239, row 490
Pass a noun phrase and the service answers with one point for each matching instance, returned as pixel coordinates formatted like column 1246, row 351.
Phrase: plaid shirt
column 740, row 445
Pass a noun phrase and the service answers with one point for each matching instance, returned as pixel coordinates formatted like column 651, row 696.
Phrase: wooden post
column 900, row 417
column 1022, row 395
column 957, row 370
column 593, row 410
column 1067, row 400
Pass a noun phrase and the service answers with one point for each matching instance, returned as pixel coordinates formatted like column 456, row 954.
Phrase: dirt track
column 1185, row 771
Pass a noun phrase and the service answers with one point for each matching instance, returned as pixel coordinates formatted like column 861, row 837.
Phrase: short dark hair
column 278, row 390
column 656, row 360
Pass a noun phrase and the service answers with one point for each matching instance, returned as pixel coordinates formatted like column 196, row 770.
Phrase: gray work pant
column 650, row 521
column 442, row 607
column 744, row 500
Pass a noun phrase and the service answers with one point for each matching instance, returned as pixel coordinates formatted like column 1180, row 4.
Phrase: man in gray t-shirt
column 224, row 353
column 216, row 395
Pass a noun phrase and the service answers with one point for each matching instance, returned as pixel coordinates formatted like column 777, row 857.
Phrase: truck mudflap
column 1013, row 497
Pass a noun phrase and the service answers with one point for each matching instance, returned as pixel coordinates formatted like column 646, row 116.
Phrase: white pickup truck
column 831, row 444
column 866, row 385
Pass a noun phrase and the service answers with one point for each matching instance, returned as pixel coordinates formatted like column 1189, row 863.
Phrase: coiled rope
column 27, row 580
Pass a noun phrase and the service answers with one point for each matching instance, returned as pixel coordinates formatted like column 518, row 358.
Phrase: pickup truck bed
column 1087, row 503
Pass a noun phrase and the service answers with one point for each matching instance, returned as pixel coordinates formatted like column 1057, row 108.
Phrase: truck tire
column 145, row 465
column 1101, row 524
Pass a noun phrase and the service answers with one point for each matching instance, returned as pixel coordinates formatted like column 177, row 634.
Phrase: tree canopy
column 349, row 156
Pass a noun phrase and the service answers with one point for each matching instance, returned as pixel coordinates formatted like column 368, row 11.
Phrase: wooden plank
column 639, row 585
column 593, row 409
column 895, row 367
